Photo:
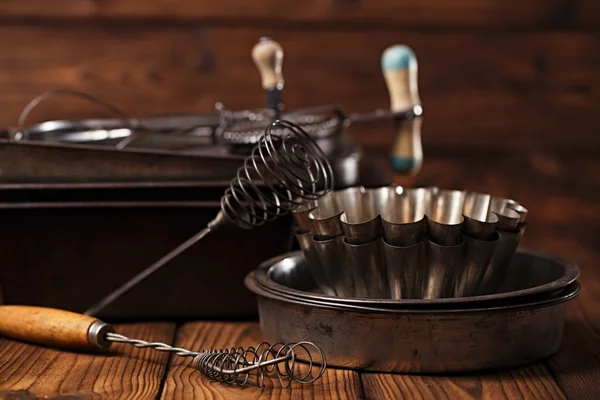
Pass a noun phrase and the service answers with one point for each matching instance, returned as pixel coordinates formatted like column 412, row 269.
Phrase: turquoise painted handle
column 407, row 150
column 399, row 66
column 404, row 165
column 400, row 69
column 397, row 57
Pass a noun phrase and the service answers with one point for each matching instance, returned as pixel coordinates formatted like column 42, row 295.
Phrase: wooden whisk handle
column 51, row 327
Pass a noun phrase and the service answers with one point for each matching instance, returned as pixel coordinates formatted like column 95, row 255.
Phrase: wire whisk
column 293, row 170
column 239, row 365
column 290, row 164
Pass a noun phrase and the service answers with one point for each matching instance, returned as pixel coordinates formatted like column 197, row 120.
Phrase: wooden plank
column 409, row 13
column 577, row 365
column 126, row 372
column 533, row 382
column 183, row 382
column 516, row 91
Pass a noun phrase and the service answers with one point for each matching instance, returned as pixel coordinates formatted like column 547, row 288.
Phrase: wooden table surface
column 29, row 371
column 511, row 104
column 564, row 221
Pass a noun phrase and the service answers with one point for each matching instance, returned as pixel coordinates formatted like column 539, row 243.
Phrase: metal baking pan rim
column 109, row 204
column 113, row 185
column 211, row 120
column 87, row 147
column 569, row 292
column 570, row 275
column 70, row 125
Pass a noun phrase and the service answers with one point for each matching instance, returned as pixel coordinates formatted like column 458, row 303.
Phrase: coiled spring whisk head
column 289, row 165
column 239, row 366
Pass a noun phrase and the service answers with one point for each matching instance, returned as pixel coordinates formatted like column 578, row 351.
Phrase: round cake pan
column 501, row 333
column 528, row 274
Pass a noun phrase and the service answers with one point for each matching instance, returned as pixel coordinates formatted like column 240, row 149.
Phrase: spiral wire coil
column 239, row 365
column 290, row 164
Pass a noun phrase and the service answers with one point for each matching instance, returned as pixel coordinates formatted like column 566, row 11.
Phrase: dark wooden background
column 494, row 74
column 511, row 90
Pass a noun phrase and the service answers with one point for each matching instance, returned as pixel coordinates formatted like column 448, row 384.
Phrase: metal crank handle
column 400, row 70
column 268, row 57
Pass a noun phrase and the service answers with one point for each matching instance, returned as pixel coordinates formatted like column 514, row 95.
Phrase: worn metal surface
column 477, row 256
column 66, row 246
column 331, row 254
column 528, row 274
column 404, row 234
column 320, row 274
column 497, row 270
column 445, row 234
column 404, row 217
column 480, row 229
column 404, row 282
column 51, row 162
column 365, row 263
column 360, row 231
column 456, row 338
column 61, row 162
column 421, row 342
column 442, row 265
column 153, row 132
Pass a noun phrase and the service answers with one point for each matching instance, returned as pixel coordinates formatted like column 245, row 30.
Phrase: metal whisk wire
column 239, row 365
column 287, row 161
column 292, row 166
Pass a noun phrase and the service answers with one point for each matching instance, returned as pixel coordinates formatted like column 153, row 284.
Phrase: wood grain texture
column 577, row 365
column 126, row 372
column 183, row 382
column 511, row 91
column 413, row 13
column 533, row 382
column 46, row 326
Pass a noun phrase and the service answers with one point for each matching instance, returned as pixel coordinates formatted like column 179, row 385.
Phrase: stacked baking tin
column 392, row 242
column 67, row 245
column 418, row 280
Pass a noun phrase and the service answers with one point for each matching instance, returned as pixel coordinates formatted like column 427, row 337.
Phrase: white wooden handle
column 407, row 151
column 268, row 57
column 400, row 71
